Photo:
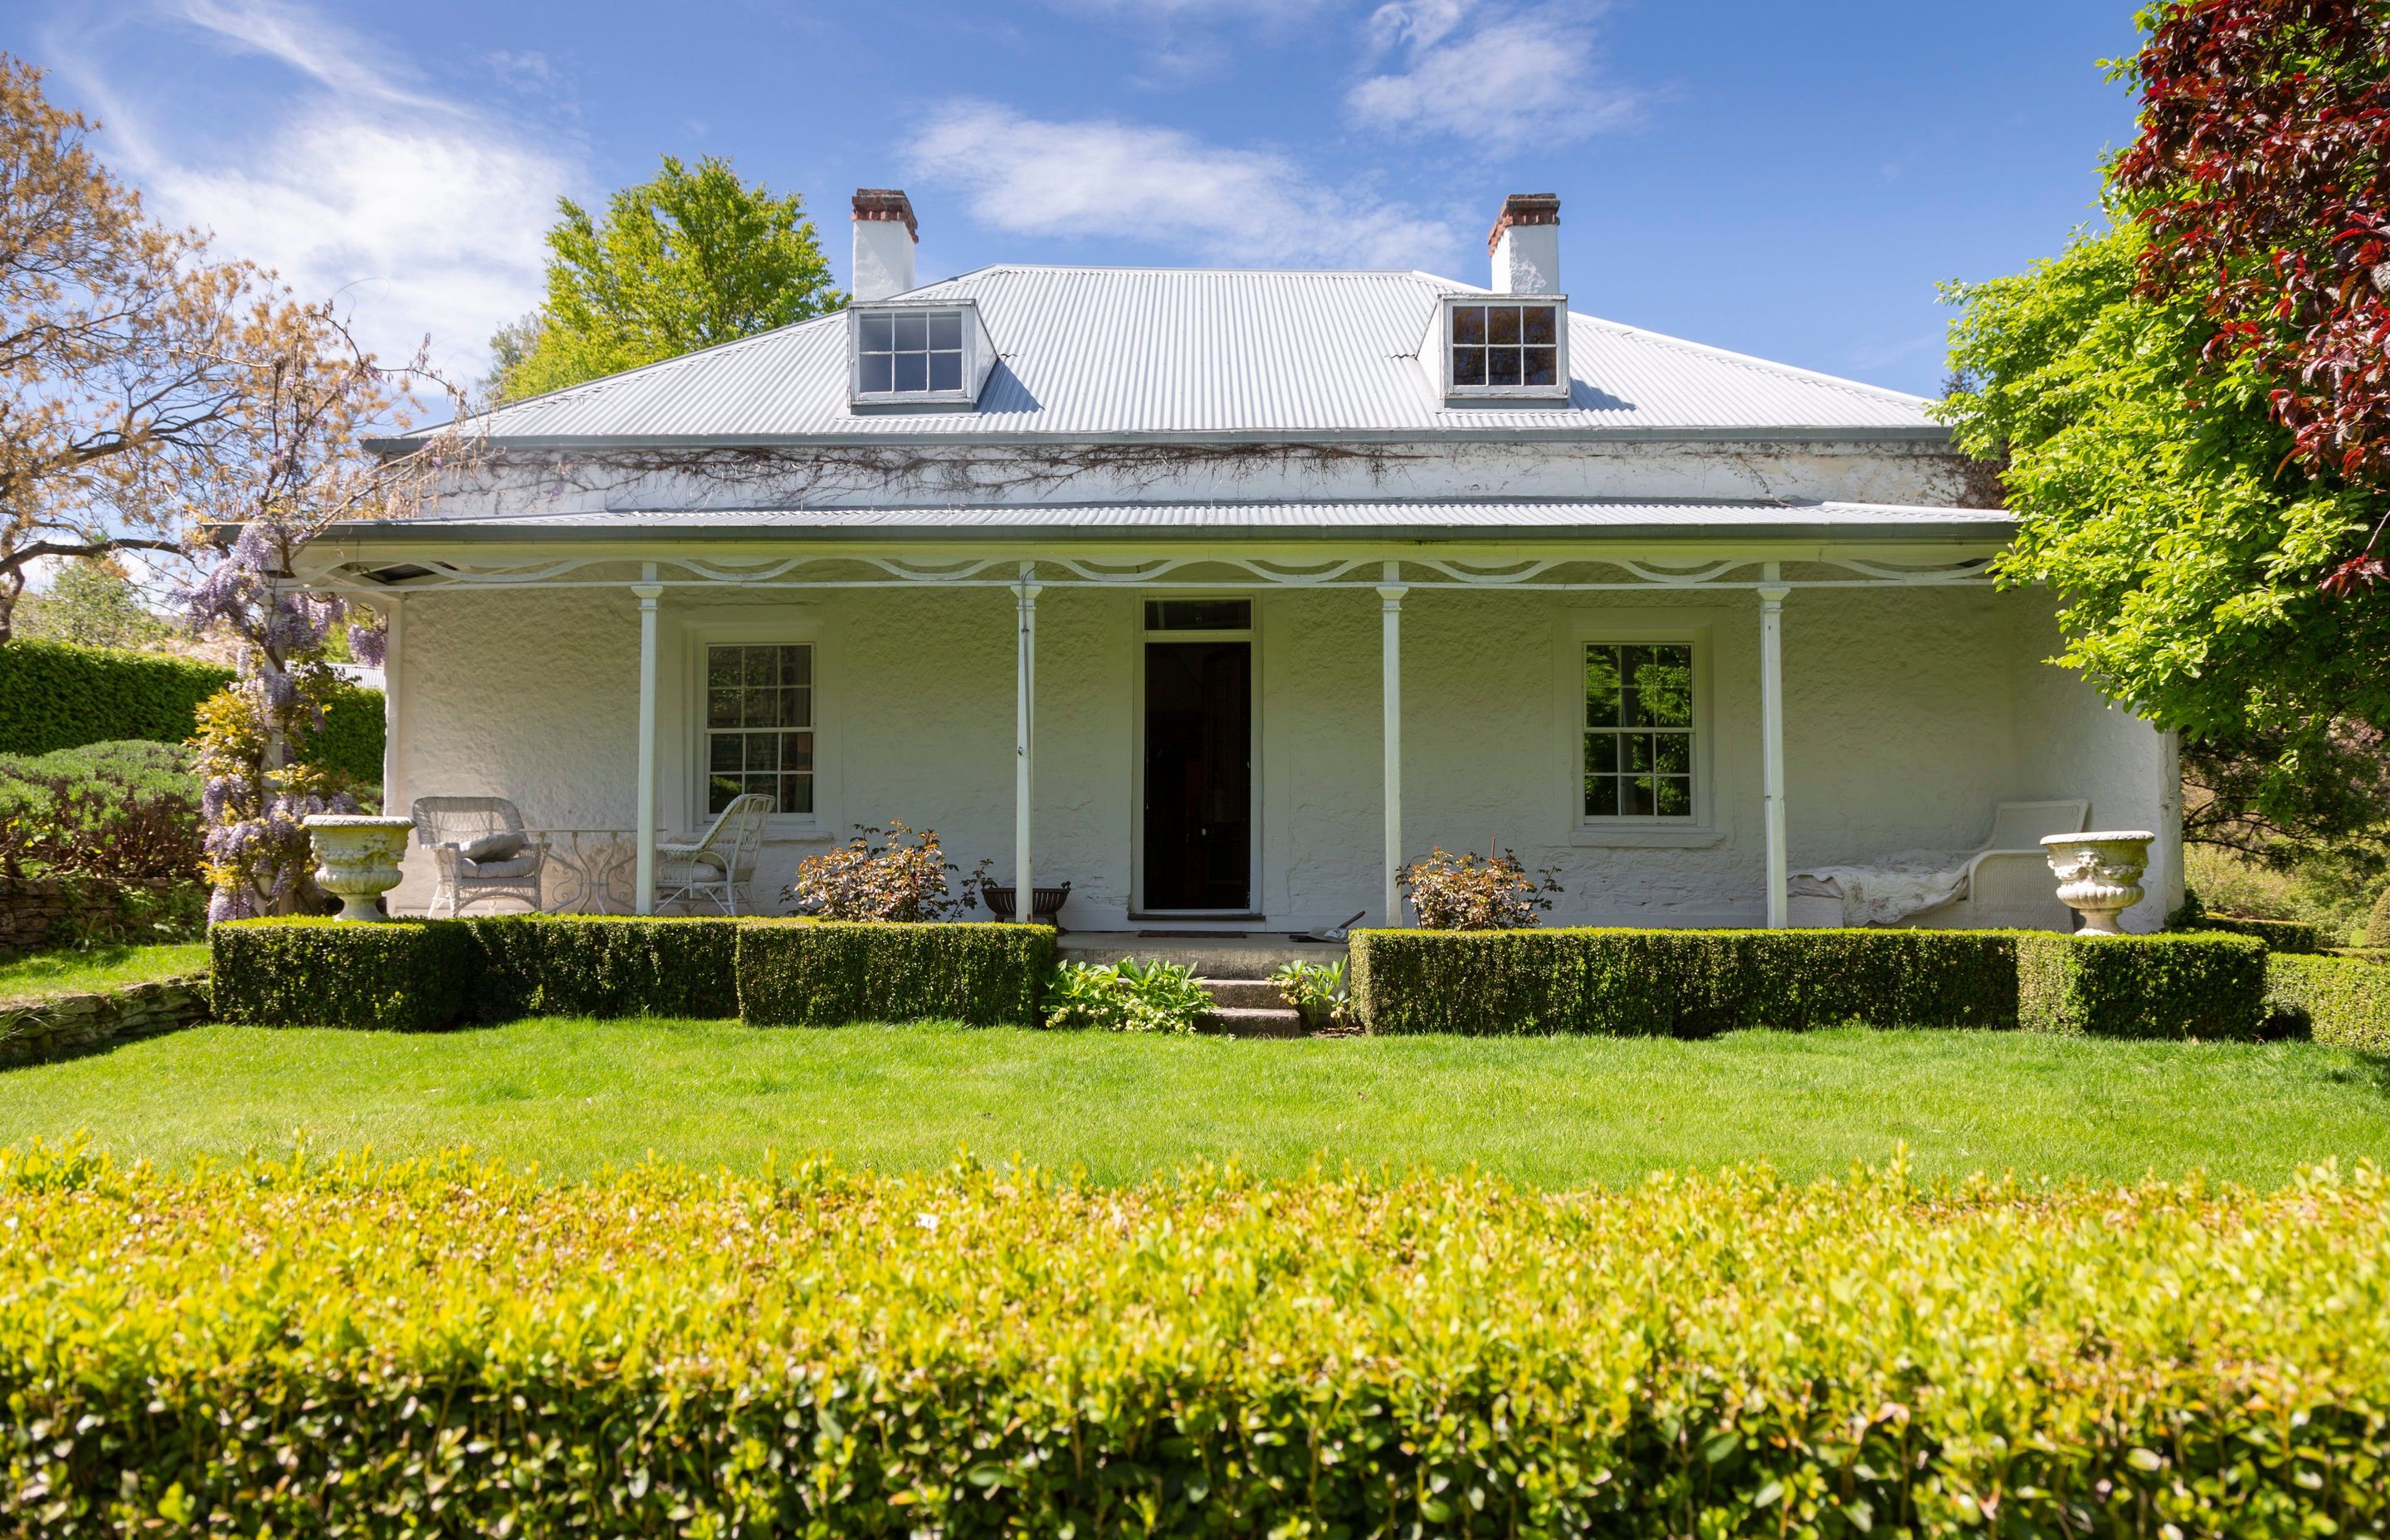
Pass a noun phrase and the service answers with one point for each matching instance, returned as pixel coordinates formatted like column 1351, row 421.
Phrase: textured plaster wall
column 1907, row 715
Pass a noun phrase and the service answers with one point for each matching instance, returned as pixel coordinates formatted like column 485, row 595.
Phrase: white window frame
column 978, row 355
column 1556, row 391
column 1639, row 628
column 700, row 640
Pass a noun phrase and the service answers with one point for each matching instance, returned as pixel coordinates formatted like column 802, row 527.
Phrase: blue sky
column 1789, row 180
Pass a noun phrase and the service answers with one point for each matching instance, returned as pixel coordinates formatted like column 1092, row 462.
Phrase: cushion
column 516, row 866
column 492, row 847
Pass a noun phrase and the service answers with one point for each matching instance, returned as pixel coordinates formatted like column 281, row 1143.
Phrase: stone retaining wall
column 80, row 1023
column 36, row 912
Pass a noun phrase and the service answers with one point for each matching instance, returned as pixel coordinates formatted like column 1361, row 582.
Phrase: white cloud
column 423, row 213
column 1033, row 176
column 1496, row 77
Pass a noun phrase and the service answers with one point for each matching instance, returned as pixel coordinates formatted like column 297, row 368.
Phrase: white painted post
column 649, row 592
column 1025, row 745
column 1390, row 649
column 1771, row 731
column 393, row 656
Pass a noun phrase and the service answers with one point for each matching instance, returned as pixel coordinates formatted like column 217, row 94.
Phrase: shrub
column 1476, row 892
column 602, row 965
column 1127, row 995
column 1316, row 990
column 55, row 695
column 826, row 973
column 2192, row 984
column 124, row 813
column 405, row 976
column 901, row 880
column 2279, row 935
column 330, row 1348
column 2344, row 1001
column 1680, row 983
column 2377, row 922
column 350, row 741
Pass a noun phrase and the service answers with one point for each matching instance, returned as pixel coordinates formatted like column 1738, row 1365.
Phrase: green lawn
column 43, row 975
column 575, row 1095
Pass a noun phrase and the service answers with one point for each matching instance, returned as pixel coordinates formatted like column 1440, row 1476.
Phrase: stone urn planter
column 357, row 857
column 2100, row 875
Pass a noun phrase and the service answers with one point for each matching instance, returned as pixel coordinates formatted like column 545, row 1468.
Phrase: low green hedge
column 1679, row 983
column 2340, row 1000
column 810, row 973
column 403, row 975
column 2279, row 935
column 2189, row 985
column 321, row 1348
column 602, row 965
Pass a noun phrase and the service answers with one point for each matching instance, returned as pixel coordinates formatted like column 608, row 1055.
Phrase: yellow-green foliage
column 314, row 1350
column 2340, row 1000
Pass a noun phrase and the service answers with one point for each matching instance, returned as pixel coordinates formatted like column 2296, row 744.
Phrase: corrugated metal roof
column 1469, row 520
column 1102, row 350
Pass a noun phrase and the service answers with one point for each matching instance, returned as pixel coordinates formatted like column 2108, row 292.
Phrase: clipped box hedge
column 444, row 1348
column 2201, row 985
column 822, row 974
column 1679, row 983
column 404, row 975
column 2279, row 935
column 2339, row 1000
column 602, row 965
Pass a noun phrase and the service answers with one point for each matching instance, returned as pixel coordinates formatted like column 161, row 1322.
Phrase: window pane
column 1672, row 753
column 722, row 708
column 796, row 751
column 1674, row 797
column 1537, row 325
column 912, row 371
column 878, row 375
column 875, row 333
column 1468, row 324
column 723, row 751
column 912, row 331
column 1635, row 796
column 1636, row 747
column 1502, row 324
column 1501, row 366
column 761, row 666
column 796, row 793
column 1601, row 796
column 1468, row 366
column 1631, row 663
column 719, row 789
column 763, row 750
column 1541, row 366
column 1601, row 700
column 721, row 665
column 1601, row 753
column 797, row 706
column 946, row 330
column 945, row 371
column 1199, row 614
column 796, row 665
column 1664, row 687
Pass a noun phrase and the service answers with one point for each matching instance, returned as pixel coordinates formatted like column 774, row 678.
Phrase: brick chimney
column 884, row 238
column 1527, row 244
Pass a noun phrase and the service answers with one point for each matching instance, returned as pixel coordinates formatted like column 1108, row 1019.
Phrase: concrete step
column 1251, row 1021
column 1252, row 994
column 1235, row 957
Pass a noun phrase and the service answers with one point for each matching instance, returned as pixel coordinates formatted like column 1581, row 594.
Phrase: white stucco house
column 1220, row 595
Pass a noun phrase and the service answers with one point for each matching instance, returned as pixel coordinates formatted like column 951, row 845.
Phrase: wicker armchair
column 718, row 863
column 450, row 826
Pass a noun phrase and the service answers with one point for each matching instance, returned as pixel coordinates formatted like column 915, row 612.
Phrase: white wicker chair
column 717, row 864
column 448, row 827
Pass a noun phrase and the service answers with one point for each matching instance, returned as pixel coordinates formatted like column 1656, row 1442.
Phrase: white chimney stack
column 884, row 238
column 1525, row 242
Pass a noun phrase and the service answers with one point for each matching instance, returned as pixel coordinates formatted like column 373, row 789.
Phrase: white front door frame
column 1251, row 637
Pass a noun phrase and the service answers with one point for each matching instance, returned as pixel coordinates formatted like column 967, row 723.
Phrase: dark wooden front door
column 1198, row 776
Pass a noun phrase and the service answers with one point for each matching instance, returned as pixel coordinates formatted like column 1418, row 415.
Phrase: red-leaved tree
column 2261, row 176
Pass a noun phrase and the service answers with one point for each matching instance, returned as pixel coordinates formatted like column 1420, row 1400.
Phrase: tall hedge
column 56, row 694
column 2337, row 1000
column 351, row 739
column 445, row 1348
column 1679, row 983
column 828, row 973
column 2201, row 985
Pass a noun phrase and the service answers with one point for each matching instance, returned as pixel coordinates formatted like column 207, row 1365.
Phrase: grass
column 575, row 1096
column 47, row 975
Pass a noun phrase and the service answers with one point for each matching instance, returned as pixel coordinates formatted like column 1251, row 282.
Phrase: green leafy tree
column 689, row 259
column 91, row 602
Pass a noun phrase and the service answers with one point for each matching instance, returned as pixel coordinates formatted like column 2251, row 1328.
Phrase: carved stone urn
column 357, row 857
column 2100, row 875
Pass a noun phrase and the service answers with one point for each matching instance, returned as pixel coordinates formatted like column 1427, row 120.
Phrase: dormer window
column 1497, row 347
column 917, row 354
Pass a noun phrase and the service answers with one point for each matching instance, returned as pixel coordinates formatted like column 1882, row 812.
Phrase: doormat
column 1191, row 935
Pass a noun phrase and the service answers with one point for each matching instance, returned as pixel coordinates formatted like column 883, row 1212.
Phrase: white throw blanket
column 1889, row 891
